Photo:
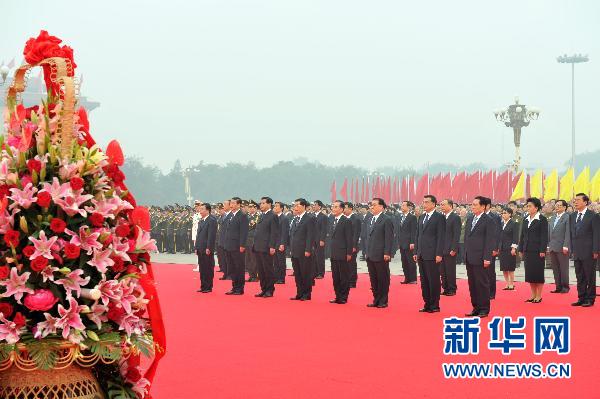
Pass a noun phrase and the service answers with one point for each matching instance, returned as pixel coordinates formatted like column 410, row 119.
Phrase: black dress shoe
column 319, row 276
column 342, row 301
column 587, row 304
column 482, row 314
column 371, row 305
column 529, row 300
column 279, row 282
column 555, row 291
column 238, row 293
column 493, row 297
column 222, row 278
column 424, row 310
column 537, row 300
column 383, row 305
column 564, row 291
column 472, row 314
column 578, row 303
column 295, row 298
column 305, row 298
column 199, row 290
column 205, row 291
column 268, row 295
column 333, row 301
column 353, row 285
column 259, row 295
column 412, row 282
column 434, row 310
column 230, row 293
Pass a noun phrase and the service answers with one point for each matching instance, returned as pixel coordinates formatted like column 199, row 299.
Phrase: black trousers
column 206, row 264
column 448, row 273
column 379, row 274
column 303, row 275
column 409, row 268
column 279, row 266
column 319, row 259
column 491, row 270
column 266, row 271
column 585, row 271
column 223, row 261
column 353, row 270
column 430, row 282
column 235, row 268
column 340, row 271
column 479, row 287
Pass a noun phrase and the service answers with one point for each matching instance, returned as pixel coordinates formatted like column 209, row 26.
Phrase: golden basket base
column 72, row 382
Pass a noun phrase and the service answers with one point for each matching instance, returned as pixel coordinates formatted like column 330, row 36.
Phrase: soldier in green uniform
column 250, row 256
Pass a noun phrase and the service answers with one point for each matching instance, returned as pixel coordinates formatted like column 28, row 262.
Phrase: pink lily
column 48, row 273
column 16, row 285
column 119, row 204
column 43, row 246
column 101, row 260
column 9, row 330
column 87, row 240
column 7, row 221
column 70, row 318
column 143, row 241
column 71, row 203
column 109, row 290
column 73, row 282
column 57, row 190
column 121, row 248
column 102, row 207
column 98, row 314
column 23, row 198
column 44, row 328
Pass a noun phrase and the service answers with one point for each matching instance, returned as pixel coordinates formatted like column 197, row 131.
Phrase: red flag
column 486, row 184
column 377, row 188
column 422, row 187
column 344, row 190
column 333, row 191
column 351, row 190
column 356, row 192
column 367, row 188
column 502, row 187
column 472, row 186
column 388, row 190
column 445, row 187
column 404, row 189
column 395, row 191
column 411, row 188
column 458, row 188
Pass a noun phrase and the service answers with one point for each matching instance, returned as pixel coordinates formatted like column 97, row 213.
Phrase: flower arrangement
column 74, row 246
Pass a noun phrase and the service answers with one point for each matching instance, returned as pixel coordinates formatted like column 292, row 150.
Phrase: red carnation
column 96, row 219
column 34, row 164
column 115, row 313
column 133, row 374
column 39, row 264
column 4, row 191
column 43, row 199
column 119, row 265
column 76, row 183
column 123, row 230
column 72, row 251
column 57, row 225
column 19, row 320
column 132, row 269
column 6, row 309
column 4, row 271
column 12, row 237
column 28, row 251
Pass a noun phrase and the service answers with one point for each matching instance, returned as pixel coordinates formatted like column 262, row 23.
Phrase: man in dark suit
column 301, row 241
column 235, row 246
column 266, row 240
column 480, row 236
column 204, row 245
column 498, row 223
column 284, row 228
column 406, row 242
column 378, row 247
column 321, row 223
column 366, row 217
column 429, row 249
column 585, row 243
column 356, row 230
column 559, row 245
column 221, row 234
column 341, row 252
column 452, row 236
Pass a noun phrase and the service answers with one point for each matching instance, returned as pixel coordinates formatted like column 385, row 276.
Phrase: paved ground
column 395, row 267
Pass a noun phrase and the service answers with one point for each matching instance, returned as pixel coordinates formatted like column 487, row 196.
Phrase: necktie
column 555, row 222
column 475, row 219
column 402, row 219
column 426, row 219
column 579, row 217
column 294, row 223
column 335, row 221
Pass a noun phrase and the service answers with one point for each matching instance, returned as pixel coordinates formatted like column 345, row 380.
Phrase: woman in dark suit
column 532, row 247
column 509, row 242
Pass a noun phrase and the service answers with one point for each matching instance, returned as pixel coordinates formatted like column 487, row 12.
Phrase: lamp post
column 517, row 116
column 573, row 59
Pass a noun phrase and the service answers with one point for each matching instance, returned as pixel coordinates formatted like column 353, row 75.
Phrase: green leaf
column 43, row 354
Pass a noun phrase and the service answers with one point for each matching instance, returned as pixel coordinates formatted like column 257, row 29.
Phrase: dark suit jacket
column 236, row 231
column 380, row 237
column 341, row 239
column 480, row 241
column 322, row 223
column 509, row 236
column 429, row 242
column 534, row 238
column 222, row 229
column 356, row 229
column 364, row 230
column 453, row 225
column 206, row 234
column 408, row 231
column 267, row 232
column 498, row 223
column 302, row 235
column 284, row 230
column 585, row 238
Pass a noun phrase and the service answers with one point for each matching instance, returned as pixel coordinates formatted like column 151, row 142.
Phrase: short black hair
column 281, row 204
column 380, row 201
column 563, row 203
column 302, row 201
column 341, row 203
column 432, row 198
column 206, row 206
column 584, row 197
column 535, row 201
column 268, row 200
column 449, row 201
column 318, row 202
column 238, row 200
column 410, row 204
column 349, row 205
column 480, row 199
column 507, row 210
column 512, row 203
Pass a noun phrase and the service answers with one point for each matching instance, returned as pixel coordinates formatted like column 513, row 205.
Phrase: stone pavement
column 395, row 267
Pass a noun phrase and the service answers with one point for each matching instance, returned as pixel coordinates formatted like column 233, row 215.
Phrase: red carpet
column 244, row 347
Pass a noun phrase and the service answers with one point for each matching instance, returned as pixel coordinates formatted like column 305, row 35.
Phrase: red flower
column 43, row 199
column 76, row 183
column 133, row 375
column 34, row 164
column 46, row 46
column 96, row 219
column 4, row 271
column 6, row 309
column 133, row 256
column 39, row 264
column 12, row 237
column 115, row 313
column 132, row 269
column 57, row 225
column 140, row 216
column 83, row 120
column 41, row 300
column 123, row 230
column 19, row 320
column 4, row 191
column 28, row 251
column 144, row 257
column 72, row 251
column 119, row 265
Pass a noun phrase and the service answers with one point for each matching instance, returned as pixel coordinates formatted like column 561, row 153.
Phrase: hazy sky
column 369, row 83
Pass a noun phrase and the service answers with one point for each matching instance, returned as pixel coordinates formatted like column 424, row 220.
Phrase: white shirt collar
column 448, row 214
column 300, row 215
column 204, row 219
column 558, row 215
column 582, row 212
column 235, row 213
column 536, row 217
column 430, row 213
column 267, row 211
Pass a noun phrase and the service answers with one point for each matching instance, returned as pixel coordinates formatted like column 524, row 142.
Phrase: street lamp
column 4, row 70
column 517, row 116
column 573, row 59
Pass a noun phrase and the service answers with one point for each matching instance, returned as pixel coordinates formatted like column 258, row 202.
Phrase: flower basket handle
column 59, row 72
